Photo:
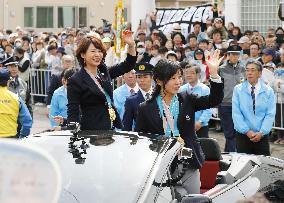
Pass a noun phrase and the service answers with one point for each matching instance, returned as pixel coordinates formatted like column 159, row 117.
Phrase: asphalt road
column 41, row 123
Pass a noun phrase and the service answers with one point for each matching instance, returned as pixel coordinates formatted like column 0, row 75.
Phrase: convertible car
column 121, row 167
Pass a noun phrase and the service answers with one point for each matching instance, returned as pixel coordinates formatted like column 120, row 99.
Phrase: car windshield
column 114, row 169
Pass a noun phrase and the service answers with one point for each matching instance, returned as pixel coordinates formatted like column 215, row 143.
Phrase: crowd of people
column 165, row 83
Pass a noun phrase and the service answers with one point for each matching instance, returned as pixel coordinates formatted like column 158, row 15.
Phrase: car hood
column 101, row 167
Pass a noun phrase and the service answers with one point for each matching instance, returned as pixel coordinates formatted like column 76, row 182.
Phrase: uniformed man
column 144, row 78
column 12, row 111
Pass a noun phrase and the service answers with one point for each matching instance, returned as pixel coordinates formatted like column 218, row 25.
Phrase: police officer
column 12, row 110
column 144, row 78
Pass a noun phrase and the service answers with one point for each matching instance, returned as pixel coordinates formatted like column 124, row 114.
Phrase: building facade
column 41, row 15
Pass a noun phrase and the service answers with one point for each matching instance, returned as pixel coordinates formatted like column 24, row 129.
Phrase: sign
column 166, row 17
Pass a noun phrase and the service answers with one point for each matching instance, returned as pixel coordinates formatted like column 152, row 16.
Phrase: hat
column 155, row 31
column 61, row 50
column 244, row 39
column 218, row 20
column 234, row 49
column 176, row 27
column 268, row 51
column 143, row 68
column 106, row 40
column 140, row 44
column 13, row 35
column 198, row 51
column 171, row 53
column 9, row 61
column 4, row 75
column 269, row 64
column 141, row 32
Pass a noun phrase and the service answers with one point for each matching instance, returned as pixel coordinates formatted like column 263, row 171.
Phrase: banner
column 166, row 17
column 118, row 28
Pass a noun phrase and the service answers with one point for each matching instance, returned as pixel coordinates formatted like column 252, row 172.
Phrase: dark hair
column 191, row 36
column 204, row 41
column 215, row 31
column 162, row 50
column 19, row 50
column 196, row 23
column 203, row 55
column 84, row 45
column 26, row 38
column 51, row 47
column 254, row 43
column 181, row 35
column 3, row 83
column 195, row 66
column 68, row 73
column 281, row 64
column 163, row 71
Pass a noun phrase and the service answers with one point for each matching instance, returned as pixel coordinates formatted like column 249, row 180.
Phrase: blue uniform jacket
column 242, row 109
column 119, row 97
column 58, row 105
column 131, row 107
column 25, row 119
column 200, row 90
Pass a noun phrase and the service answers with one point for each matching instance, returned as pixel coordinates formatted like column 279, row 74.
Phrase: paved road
column 41, row 123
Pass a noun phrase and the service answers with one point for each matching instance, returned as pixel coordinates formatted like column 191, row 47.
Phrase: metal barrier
column 39, row 83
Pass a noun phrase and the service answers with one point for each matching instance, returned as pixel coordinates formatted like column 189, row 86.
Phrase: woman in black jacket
column 90, row 91
column 171, row 113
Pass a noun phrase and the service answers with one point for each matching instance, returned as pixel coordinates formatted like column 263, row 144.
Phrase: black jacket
column 83, row 94
column 130, row 113
column 55, row 82
column 149, row 121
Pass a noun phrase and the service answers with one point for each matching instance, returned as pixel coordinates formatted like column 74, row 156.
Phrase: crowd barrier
column 40, row 80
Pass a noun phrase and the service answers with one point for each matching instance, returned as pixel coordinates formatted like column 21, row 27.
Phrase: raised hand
column 128, row 38
column 213, row 61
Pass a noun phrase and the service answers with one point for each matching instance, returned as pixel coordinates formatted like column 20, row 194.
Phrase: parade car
column 121, row 167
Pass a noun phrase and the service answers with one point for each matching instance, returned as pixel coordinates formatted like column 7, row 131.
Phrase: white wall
column 139, row 9
column 233, row 12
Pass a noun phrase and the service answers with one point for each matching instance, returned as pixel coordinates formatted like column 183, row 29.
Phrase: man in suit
column 121, row 93
column 195, row 87
column 144, row 77
column 254, row 111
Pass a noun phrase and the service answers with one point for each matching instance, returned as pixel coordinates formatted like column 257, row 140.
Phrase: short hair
column 66, row 57
column 256, row 62
column 84, row 45
column 68, row 73
column 19, row 50
column 191, row 36
column 204, row 41
column 194, row 65
column 254, row 43
column 196, row 23
column 162, row 50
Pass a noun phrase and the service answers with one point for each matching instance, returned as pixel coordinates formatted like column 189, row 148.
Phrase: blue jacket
column 201, row 90
column 242, row 109
column 58, row 105
column 131, row 107
column 24, row 119
column 119, row 97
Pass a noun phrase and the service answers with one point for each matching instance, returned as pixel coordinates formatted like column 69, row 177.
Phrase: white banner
column 184, row 16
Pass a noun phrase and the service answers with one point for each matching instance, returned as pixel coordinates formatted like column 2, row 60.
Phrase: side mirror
column 196, row 198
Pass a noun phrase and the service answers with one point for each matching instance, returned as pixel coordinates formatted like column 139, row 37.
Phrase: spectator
column 254, row 51
column 178, row 40
column 24, row 63
column 13, row 110
column 199, row 57
column 172, row 56
column 155, row 55
column 58, row 106
column 144, row 77
column 278, row 87
column 194, row 86
column 169, row 45
column 233, row 73
column 267, row 55
column 197, row 31
column 218, row 25
column 121, row 93
column 142, row 55
column 244, row 43
column 253, row 112
column 67, row 62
